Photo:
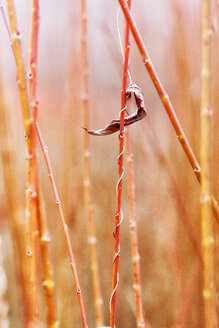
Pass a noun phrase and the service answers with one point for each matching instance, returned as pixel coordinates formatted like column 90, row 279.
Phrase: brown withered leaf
column 138, row 115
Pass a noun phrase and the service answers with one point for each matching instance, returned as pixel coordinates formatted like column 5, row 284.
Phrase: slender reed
column 87, row 173
column 132, row 209
column 22, row 86
column 134, row 235
column 165, row 99
column 13, row 204
column 38, row 219
column 32, row 81
column 27, row 118
column 118, row 214
column 65, row 228
column 36, row 216
column 207, row 233
column 24, row 98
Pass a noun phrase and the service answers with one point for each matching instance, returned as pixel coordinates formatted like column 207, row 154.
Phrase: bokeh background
column 167, row 192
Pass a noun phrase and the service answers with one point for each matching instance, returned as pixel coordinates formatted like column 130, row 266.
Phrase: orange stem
column 87, row 171
column 15, row 37
column 118, row 214
column 38, row 219
column 65, row 227
column 132, row 211
column 165, row 99
column 207, row 229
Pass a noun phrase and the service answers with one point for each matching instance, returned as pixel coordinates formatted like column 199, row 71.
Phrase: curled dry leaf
column 138, row 115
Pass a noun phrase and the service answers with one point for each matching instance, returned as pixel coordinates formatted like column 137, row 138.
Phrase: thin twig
column 32, row 82
column 15, row 36
column 87, row 171
column 26, row 111
column 118, row 214
column 207, row 233
column 37, row 215
column 120, row 43
column 65, row 228
column 13, row 203
column 131, row 192
column 165, row 100
column 134, row 235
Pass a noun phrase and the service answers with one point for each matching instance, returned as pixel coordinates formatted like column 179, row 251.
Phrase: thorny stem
column 37, row 215
column 67, row 237
column 87, row 173
column 207, row 233
column 118, row 214
column 165, row 99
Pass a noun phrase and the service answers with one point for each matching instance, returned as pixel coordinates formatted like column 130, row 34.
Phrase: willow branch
column 38, row 219
column 27, row 119
column 118, row 214
column 65, row 227
column 87, row 172
column 13, row 202
column 207, row 233
column 32, row 80
column 165, row 99
column 132, row 210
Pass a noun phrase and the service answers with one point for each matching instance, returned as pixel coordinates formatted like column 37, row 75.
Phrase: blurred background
column 167, row 192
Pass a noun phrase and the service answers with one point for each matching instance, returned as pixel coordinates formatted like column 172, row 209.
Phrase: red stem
column 118, row 216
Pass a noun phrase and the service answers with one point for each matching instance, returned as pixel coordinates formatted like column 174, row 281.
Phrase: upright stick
column 87, row 174
column 27, row 118
column 64, row 225
column 132, row 210
column 28, row 124
column 165, row 99
column 32, row 82
column 118, row 214
column 13, row 203
column 37, row 215
column 207, row 233
column 134, row 236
